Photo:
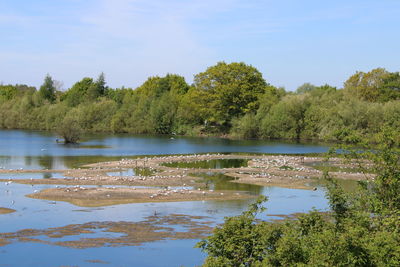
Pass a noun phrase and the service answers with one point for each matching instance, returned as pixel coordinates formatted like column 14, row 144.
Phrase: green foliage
column 54, row 115
column 7, row 92
column 151, row 108
column 101, row 84
column 246, row 127
column 238, row 243
column 193, row 108
column 231, row 89
column 305, row 88
column 376, row 85
column 384, row 192
column 287, row 118
column 96, row 116
column 48, row 91
column 156, row 86
column 118, row 94
column 162, row 114
column 69, row 129
column 76, row 94
column 118, row 122
column 225, row 100
column 97, row 88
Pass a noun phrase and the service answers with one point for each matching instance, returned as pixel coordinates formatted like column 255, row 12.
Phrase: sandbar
column 95, row 197
column 6, row 210
column 265, row 170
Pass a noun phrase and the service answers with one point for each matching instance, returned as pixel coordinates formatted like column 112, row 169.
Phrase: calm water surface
column 36, row 150
column 209, row 164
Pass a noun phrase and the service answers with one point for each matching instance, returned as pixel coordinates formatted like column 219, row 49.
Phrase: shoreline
column 200, row 135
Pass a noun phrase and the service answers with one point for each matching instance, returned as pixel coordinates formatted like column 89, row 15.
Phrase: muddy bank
column 95, row 197
column 6, row 210
column 265, row 170
column 116, row 234
column 297, row 172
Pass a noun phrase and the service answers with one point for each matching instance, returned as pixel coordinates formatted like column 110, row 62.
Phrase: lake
column 39, row 150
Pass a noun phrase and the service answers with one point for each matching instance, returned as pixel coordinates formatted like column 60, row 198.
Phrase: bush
column 69, row 130
column 245, row 127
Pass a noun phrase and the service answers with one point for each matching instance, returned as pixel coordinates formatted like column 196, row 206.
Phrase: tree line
column 225, row 100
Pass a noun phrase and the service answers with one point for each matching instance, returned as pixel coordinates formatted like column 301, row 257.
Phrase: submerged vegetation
column 361, row 229
column 225, row 100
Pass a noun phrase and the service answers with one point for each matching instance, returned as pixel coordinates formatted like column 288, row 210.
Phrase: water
column 132, row 172
column 329, row 166
column 121, row 256
column 209, row 164
column 33, row 175
column 220, row 181
column 36, row 150
column 39, row 150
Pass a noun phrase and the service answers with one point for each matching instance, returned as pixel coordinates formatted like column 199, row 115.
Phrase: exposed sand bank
column 94, row 197
column 265, row 170
column 6, row 210
column 115, row 234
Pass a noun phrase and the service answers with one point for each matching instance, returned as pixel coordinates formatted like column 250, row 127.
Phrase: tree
column 162, row 114
column 101, row 84
column 47, row 89
column 286, row 119
column 97, row 89
column 193, row 109
column 231, row 89
column 157, row 86
column 376, row 85
column 152, row 107
column 246, row 127
column 238, row 242
column 69, row 129
column 305, row 88
column 7, row 92
column 78, row 92
column 384, row 193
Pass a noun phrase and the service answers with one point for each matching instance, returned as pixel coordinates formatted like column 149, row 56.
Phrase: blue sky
column 289, row 41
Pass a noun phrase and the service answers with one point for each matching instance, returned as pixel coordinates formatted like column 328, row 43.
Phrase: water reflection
column 346, row 185
column 209, row 164
column 331, row 166
column 220, row 181
column 33, row 150
column 132, row 172
column 33, row 175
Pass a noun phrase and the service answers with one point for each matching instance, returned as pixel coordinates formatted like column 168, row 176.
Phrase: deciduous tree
column 47, row 89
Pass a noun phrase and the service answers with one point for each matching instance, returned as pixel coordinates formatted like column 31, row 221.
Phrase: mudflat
column 181, row 183
column 95, row 197
column 6, row 210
